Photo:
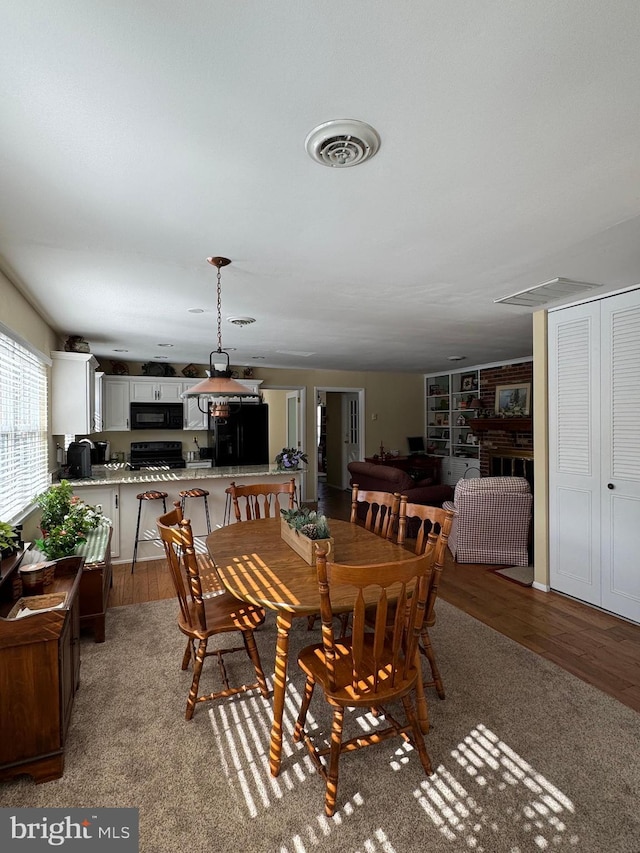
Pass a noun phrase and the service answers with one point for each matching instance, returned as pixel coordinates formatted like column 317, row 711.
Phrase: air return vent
column 557, row 288
column 342, row 142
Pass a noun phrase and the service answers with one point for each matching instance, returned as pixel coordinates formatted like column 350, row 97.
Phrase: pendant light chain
column 214, row 394
column 219, row 312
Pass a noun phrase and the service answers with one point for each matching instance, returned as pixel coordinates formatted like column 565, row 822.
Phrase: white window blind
column 23, row 427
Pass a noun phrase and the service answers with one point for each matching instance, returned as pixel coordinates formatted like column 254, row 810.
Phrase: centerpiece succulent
column 290, row 458
column 65, row 521
column 307, row 522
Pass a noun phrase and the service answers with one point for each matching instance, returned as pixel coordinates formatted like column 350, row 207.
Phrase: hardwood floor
column 597, row 647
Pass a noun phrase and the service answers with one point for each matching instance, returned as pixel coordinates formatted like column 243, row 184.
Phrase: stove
column 156, row 454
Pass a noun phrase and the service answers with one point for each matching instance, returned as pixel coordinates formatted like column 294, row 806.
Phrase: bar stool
column 196, row 493
column 151, row 495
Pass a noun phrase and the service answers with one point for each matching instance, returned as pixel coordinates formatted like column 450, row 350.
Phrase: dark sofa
column 384, row 478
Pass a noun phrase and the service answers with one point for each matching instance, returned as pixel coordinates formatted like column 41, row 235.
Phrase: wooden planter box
column 302, row 545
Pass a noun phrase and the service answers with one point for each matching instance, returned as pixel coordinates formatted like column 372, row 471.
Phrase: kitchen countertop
column 117, row 473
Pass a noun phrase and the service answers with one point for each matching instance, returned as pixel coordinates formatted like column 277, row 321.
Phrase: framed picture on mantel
column 513, row 400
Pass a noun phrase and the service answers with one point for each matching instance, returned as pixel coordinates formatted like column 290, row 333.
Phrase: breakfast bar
column 114, row 488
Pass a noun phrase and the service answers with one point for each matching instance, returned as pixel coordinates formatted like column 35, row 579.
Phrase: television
column 416, row 444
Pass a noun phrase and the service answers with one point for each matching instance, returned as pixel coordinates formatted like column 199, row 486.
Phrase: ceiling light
column 215, row 393
column 195, row 310
column 121, row 350
column 557, row 288
column 165, row 345
column 456, row 358
column 342, row 142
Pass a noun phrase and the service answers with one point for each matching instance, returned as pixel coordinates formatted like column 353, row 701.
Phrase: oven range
column 156, row 454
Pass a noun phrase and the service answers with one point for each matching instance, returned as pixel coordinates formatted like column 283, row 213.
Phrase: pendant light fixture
column 216, row 394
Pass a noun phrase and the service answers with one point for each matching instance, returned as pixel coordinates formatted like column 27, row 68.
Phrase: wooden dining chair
column 430, row 527
column 377, row 510
column 366, row 669
column 202, row 616
column 261, row 500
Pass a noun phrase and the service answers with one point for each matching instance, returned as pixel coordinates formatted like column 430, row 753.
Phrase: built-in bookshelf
column 452, row 400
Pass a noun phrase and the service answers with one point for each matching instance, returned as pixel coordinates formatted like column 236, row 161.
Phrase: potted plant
column 8, row 539
column 65, row 521
column 302, row 529
column 290, row 458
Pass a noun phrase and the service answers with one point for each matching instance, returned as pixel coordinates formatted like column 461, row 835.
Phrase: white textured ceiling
column 139, row 138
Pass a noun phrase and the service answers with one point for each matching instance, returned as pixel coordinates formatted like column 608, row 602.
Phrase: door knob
column 610, row 486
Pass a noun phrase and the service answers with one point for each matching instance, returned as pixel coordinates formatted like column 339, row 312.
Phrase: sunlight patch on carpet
column 522, row 575
column 542, row 813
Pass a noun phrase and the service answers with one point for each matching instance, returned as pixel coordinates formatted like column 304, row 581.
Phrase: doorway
column 340, row 431
column 287, row 423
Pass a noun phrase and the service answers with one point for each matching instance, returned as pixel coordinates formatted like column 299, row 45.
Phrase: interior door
column 594, row 452
column 574, row 452
column 351, row 430
column 620, row 489
column 293, row 419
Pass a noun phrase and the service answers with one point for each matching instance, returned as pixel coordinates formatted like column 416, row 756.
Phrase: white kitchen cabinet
column 73, row 388
column 98, row 416
column 116, row 404
column 151, row 390
column 193, row 417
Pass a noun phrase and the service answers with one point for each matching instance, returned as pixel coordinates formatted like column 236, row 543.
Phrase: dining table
column 256, row 565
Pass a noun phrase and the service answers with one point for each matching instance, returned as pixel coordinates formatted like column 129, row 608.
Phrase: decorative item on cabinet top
column 154, row 368
column 190, row 371
column 76, row 343
column 119, row 368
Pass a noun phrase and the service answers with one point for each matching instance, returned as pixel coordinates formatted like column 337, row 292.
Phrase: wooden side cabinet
column 39, row 676
column 95, row 584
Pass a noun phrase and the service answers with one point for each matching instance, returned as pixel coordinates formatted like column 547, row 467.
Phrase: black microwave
column 157, row 416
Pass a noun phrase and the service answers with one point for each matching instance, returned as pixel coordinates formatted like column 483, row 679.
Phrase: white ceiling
column 138, row 138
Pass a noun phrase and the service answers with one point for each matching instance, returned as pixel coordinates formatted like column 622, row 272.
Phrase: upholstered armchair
column 492, row 519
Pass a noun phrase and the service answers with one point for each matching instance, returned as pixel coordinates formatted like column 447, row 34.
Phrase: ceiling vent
column 557, row 288
column 241, row 321
column 342, row 142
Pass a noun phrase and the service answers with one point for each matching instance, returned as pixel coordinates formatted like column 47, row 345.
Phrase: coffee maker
column 79, row 460
column 101, row 452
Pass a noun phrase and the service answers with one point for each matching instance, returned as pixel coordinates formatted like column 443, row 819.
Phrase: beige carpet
column 527, row 757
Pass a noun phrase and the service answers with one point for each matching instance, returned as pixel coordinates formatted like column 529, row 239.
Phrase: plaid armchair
column 491, row 523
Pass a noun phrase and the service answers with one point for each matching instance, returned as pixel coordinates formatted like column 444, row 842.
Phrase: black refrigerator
column 243, row 438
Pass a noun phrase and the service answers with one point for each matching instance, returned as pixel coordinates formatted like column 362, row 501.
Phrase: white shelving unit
column 438, row 413
column 451, row 402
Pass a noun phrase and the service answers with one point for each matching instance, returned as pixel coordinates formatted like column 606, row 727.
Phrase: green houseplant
column 65, row 521
column 8, row 539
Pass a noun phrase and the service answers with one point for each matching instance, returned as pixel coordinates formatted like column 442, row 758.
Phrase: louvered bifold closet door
column 574, row 451
column 620, row 323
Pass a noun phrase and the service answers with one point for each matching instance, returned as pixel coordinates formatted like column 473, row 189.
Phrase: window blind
column 23, row 427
